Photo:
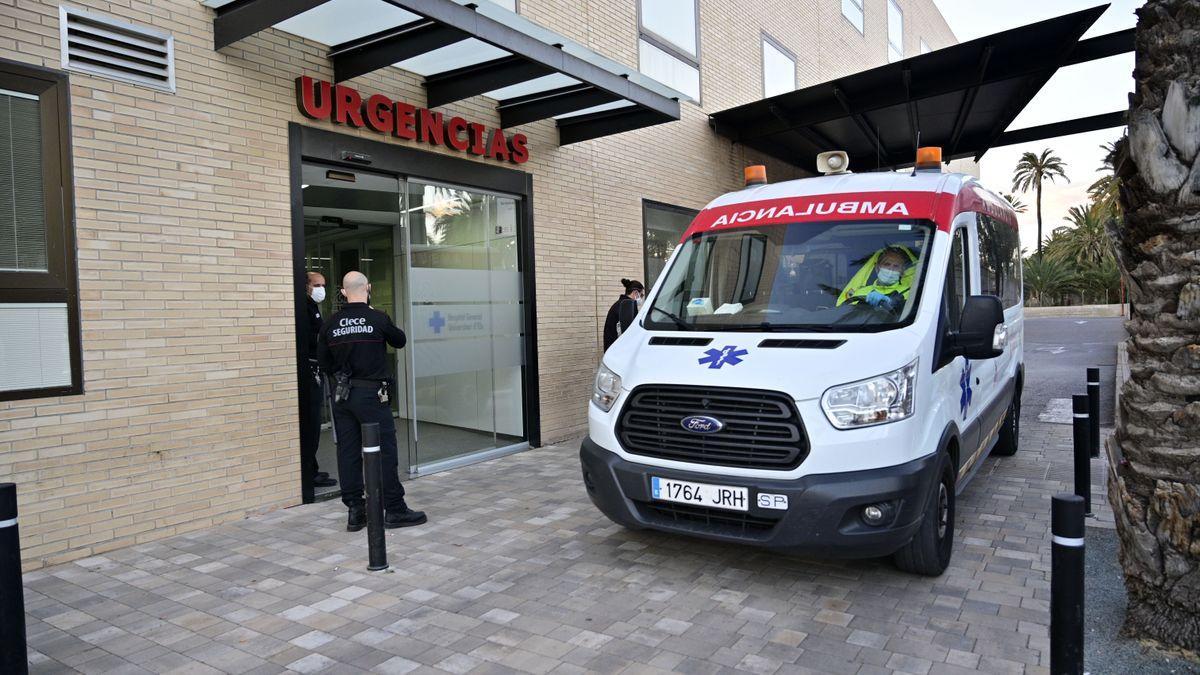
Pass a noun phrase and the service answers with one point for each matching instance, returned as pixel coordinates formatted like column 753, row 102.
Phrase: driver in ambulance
column 892, row 268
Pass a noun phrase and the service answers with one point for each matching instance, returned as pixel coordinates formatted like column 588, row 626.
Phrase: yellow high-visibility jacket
column 859, row 288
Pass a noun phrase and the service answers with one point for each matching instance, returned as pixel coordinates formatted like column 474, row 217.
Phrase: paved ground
column 518, row 572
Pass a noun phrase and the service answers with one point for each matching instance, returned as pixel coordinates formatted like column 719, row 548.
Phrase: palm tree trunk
column 1155, row 486
column 1039, row 217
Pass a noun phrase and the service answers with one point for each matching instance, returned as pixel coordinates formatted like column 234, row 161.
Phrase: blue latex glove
column 879, row 300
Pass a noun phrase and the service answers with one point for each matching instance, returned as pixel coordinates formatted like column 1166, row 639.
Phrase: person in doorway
column 623, row 311
column 312, row 390
column 352, row 350
column 892, row 268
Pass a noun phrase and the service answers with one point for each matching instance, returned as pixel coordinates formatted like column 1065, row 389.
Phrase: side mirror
column 981, row 332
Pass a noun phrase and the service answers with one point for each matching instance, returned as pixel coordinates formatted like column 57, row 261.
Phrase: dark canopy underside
column 961, row 98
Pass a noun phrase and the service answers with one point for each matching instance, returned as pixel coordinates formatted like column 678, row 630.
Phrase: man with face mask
column 353, row 350
column 312, row 393
column 893, row 276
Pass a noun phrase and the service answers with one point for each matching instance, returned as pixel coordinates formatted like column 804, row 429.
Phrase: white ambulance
column 822, row 366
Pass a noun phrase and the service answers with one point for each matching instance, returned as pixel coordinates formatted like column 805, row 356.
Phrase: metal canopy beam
column 466, row 19
column 539, row 106
column 605, row 123
column 382, row 49
column 1100, row 47
column 244, row 18
column 1066, row 128
column 460, row 83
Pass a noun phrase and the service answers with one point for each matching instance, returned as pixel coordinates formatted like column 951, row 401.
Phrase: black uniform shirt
column 314, row 327
column 357, row 337
column 622, row 314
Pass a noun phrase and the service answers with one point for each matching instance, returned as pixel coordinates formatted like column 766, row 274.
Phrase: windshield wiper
column 768, row 327
column 683, row 325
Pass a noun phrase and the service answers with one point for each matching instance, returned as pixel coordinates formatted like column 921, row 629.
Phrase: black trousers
column 312, row 397
column 363, row 407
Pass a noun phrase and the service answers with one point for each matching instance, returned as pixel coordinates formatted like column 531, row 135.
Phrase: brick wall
column 184, row 250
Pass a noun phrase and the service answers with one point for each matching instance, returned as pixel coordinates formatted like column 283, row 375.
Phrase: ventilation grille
column 762, row 429
column 776, row 343
column 680, row 341
column 96, row 44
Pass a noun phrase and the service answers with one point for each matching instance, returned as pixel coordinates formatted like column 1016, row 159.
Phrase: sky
column 1076, row 91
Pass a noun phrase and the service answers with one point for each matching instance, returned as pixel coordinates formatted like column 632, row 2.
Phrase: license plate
column 700, row 494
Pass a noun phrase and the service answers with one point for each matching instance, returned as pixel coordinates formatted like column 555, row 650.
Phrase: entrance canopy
column 961, row 98
column 465, row 49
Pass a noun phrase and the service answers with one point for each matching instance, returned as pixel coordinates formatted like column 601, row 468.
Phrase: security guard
column 352, row 350
column 312, row 393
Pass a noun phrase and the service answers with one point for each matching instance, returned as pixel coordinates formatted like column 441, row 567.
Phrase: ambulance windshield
column 824, row 277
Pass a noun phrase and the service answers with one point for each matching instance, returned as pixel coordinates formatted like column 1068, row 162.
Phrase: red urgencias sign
column 320, row 100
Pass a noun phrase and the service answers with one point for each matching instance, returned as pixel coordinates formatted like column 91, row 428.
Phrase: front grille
column 705, row 520
column 762, row 429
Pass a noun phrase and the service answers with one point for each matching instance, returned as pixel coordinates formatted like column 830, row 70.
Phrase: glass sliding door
column 466, row 316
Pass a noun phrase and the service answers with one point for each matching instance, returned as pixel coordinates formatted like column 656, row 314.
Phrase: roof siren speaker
column 833, row 162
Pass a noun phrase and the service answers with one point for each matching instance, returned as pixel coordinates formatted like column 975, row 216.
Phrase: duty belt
column 374, row 384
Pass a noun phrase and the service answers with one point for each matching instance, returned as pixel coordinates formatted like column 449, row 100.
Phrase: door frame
column 327, row 147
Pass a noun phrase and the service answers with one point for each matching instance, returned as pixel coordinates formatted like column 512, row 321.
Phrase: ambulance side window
column 957, row 283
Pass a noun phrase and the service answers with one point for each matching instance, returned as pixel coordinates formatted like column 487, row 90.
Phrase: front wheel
column 928, row 553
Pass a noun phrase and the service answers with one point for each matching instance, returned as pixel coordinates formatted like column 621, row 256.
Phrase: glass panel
column 779, row 71
column 663, row 229
column 22, row 205
column 853, row 10
column 673, row 21
column 34, row 346
column 349, row 225
column 895, row 31
column 467, row 334
column 683, row 77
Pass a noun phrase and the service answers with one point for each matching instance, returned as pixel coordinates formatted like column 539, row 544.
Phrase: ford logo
column 702, row 424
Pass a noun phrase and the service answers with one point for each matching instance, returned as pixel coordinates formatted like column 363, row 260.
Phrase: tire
column 1010, row 430
column 928, row 554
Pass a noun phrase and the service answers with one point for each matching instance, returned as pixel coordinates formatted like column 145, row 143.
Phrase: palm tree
column 1106, row 189
column 1032, row 171
column 1047, row 279
column 1154, row 484
column 1015, row 202
column 1087, row 243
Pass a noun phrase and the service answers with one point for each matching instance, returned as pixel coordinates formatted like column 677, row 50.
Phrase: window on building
column 39, row 297
column 925, row 48
column 663, row 226
column 779, row 68
column 669, row 43
column 895, row 31
column 853, row 11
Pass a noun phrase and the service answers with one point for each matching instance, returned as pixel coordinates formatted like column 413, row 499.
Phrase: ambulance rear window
column 835, row 276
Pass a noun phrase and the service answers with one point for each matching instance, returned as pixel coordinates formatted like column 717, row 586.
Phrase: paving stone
column 526, row 576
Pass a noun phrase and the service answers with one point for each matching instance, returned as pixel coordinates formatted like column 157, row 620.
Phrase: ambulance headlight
column 878, row 400
column 606, row 388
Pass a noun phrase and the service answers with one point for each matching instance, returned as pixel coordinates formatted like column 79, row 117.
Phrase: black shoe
column 357, row 519
column 325, row 481
column 405, row 518
column 321, row 474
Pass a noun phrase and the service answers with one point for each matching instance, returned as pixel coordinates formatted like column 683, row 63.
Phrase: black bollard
column 372, row 473
column 1093, row 392
column 13, row 656
column 1083, row 461
column 1066, row 584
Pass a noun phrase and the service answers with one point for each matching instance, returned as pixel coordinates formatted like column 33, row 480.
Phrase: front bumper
column 822, row 517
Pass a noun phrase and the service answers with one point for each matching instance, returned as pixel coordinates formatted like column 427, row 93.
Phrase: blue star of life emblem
column 729, row 354
column 964, row 383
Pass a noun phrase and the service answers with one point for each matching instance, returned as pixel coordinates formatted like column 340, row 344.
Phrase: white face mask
column 887, row 277
column 318, row 294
